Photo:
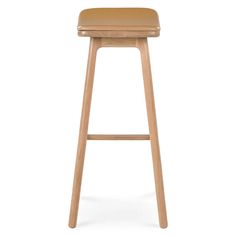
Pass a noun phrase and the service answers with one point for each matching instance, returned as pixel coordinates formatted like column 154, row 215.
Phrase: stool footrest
column 118, row 137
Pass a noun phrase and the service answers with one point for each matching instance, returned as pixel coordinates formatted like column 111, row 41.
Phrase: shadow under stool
column 118, row 27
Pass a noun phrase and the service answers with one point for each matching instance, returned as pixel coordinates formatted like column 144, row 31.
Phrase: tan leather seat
column 119, row 22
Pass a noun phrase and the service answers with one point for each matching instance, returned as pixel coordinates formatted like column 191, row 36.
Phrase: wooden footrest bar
column 118, row 137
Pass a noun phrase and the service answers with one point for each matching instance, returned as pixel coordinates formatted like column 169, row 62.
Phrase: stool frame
column 142, row 44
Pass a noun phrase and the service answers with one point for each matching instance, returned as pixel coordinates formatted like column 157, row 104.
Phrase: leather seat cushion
column 119, row 19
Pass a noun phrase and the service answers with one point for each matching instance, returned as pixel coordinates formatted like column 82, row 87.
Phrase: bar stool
column 118, row 27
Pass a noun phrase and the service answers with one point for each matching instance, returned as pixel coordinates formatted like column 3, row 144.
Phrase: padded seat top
column 119, row 22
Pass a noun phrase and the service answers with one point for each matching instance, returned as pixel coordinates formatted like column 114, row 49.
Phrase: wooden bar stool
column 118, row 27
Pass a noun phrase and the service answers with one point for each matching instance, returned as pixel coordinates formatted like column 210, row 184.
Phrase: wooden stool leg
column 143, row 46
column 94, row 45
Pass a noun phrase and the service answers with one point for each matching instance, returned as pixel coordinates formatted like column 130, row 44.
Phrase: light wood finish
column 118, row 42
column 142, row 44
column 119, row 22
column 150, row 104
column 118, row 137
column 94, row 45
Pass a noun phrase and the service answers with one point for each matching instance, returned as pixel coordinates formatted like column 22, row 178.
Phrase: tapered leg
column 143, row 46
column 94, row 45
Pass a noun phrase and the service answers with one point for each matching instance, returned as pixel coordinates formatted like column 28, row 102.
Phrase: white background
column 42, row 70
